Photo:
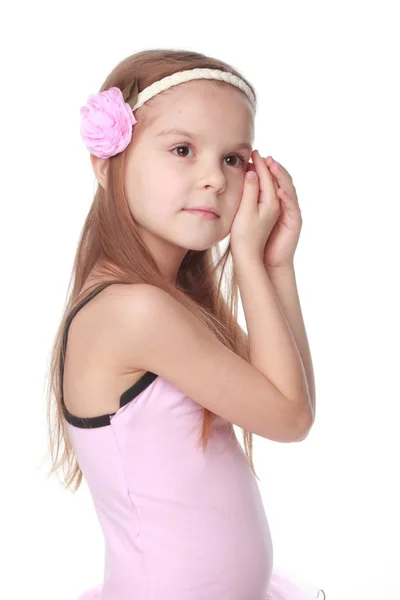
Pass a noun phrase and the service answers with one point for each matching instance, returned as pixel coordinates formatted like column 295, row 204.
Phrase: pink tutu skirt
column 281, row 587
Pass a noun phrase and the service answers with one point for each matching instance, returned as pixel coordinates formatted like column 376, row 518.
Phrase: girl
column 150, row 369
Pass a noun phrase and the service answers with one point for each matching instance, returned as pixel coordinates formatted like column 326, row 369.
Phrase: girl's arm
column 284, row 281
column 272, row 348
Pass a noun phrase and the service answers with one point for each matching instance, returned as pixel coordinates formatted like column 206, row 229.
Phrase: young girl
column 150, row 368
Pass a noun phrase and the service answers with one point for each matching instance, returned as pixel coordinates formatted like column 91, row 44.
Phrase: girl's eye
column 180, row 146
column 241, row 159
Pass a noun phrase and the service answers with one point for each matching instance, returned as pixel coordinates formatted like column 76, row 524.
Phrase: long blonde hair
column 111, row 246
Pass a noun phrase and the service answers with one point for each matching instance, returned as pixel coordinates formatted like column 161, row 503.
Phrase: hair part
column 110, row 245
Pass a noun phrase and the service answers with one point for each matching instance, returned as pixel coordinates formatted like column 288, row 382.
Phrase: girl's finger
column 284, row 179
column 276, row 186
column 250, row 193
column 267, row 187
column 279, row 170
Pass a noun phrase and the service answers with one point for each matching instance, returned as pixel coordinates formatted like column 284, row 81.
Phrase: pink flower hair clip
column 107, row 120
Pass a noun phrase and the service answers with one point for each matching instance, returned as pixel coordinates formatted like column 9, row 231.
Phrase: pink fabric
column 92, row 593
column 280, row 588
column 178, row 523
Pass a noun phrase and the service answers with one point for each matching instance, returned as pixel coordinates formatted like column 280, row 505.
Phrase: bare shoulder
column 150, row 330
column 118, row 303
column 93, row 377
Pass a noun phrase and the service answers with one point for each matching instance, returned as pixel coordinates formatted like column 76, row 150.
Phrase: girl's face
column 203, row 164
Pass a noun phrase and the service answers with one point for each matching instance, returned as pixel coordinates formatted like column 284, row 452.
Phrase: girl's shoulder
column 95, row 375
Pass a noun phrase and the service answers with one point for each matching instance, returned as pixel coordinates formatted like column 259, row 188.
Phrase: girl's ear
column 100, row 169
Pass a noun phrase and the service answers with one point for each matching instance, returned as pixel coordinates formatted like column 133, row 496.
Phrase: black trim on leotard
column 127, row 396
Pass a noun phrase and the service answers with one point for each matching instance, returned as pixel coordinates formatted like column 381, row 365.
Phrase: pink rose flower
column 106, row 123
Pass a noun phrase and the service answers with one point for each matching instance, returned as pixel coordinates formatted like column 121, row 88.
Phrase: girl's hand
column 282, row 241
column 257, row 213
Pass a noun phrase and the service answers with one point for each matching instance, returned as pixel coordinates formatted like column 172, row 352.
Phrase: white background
column 326, row 74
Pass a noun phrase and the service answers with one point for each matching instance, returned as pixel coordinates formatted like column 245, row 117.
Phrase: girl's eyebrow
column 178, row 131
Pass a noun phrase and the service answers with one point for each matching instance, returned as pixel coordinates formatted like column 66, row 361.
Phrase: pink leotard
column 179, row 523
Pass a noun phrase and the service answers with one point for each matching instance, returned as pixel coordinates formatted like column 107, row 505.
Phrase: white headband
column 183, row 76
